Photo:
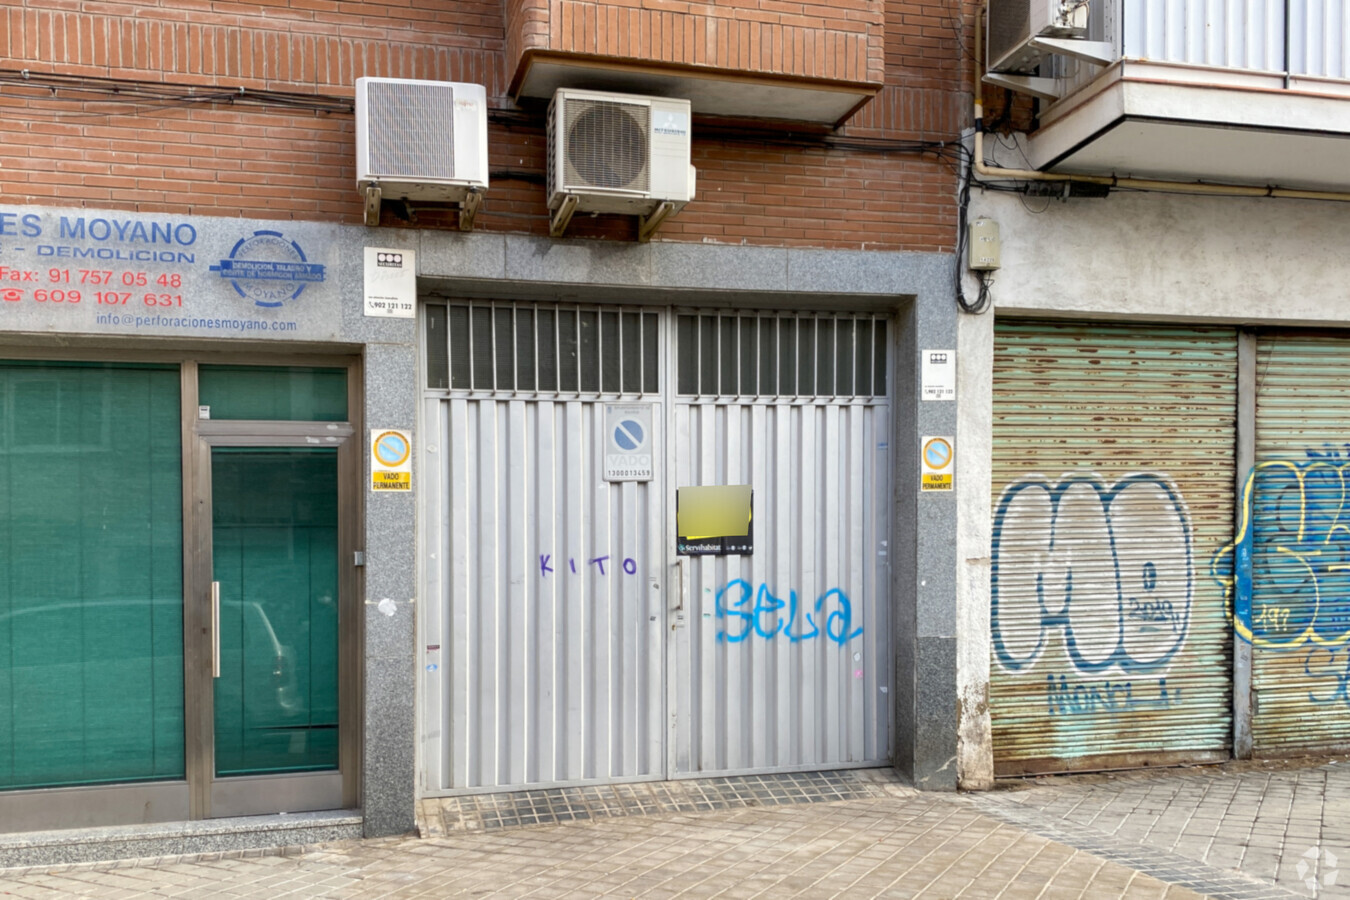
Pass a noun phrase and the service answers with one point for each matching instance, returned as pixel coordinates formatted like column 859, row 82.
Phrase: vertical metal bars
column 801, row 356
column 541, row 349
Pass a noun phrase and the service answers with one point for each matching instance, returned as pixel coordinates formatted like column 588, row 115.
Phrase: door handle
column 681, row 583
column 215, row 629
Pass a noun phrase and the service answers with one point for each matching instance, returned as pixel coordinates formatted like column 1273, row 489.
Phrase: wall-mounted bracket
column 1099, row 53
column 469, row 209
column 647, row 225
column 1045, row 88
column 558, row 224
column 373, row 194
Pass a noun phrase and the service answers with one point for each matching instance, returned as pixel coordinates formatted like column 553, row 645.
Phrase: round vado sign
column 936, row 458
column 628, row 443
column 390, row 460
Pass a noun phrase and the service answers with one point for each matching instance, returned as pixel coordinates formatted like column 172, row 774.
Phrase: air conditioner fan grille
column 408, row 129
column 607, row 144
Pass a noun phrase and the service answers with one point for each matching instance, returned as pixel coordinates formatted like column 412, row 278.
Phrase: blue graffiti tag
column 1329, row 668
column 1065, row 699
column 758, row 610
column 1286, row 575
column 1109, row 565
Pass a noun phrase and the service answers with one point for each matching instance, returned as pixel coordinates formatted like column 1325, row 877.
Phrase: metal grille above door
column 1293, row 599
column 1113, row 490
column 524, row 348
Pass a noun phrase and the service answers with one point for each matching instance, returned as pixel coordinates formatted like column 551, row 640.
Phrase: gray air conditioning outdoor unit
column 421, row 140
column 618, row 153
column 1015, row 28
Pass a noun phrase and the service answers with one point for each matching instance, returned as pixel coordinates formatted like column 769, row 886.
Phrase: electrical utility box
column 985, row 248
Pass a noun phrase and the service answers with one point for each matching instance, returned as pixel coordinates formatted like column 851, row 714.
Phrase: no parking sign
column 628, row 441
column 937, row 463
column 390, row 460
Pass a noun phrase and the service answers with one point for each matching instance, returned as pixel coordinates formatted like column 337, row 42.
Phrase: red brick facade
column 840, row 40
column 73, row 145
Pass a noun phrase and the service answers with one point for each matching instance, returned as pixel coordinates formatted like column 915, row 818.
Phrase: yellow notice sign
column 390, row 460
column 714, row 519
column 391, row 481
column 936, row 458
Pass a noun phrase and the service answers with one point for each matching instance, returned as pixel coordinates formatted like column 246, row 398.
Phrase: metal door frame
column 213, row 797
column 173, row 800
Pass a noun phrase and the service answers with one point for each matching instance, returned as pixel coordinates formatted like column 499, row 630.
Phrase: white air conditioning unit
column 618, row 153
column 1016, row 29
column 421, row 140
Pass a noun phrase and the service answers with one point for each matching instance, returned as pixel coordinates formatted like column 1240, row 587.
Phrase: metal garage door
column 544, row 627
column 782, row 657
column 1113, row 491
column 1293, row 580
column 555, row 596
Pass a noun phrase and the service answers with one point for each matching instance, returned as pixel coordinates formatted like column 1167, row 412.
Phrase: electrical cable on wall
column 120, row 95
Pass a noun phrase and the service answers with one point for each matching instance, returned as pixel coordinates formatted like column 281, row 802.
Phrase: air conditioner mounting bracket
column 373, row 205
column 1100, row 53
column 1045, row 88
column 469, row 209
column 558, row 223
column 647, row 225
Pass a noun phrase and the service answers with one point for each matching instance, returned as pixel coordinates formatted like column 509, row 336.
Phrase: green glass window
column 286, row 393
column 91, row 565
column 274, row 538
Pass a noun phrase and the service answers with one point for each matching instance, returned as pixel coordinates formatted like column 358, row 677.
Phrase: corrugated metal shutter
column 1113, row 490
column 544, row 624
column 547, row 629
column 1298, row 502
column 781, row 659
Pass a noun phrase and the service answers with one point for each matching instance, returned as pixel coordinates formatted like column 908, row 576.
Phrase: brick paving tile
column 1237, row 832
column 891, row 844
column 1259, row 820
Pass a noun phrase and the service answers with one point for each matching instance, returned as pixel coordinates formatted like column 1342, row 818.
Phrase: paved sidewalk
column 1171, row 834
column 1282, row 822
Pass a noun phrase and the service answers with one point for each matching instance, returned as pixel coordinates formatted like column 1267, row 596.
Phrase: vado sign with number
column 390, row 460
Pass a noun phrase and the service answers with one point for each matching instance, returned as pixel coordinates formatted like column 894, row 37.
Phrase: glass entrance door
column 274, row 533
column 177, row 591
column 275, row 618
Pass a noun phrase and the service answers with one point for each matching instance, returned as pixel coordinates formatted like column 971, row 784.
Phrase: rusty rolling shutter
column 1113, row 489
column 1292, row 592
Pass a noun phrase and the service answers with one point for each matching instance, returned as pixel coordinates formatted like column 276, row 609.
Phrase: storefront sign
column 83, row 271
column 390, row 460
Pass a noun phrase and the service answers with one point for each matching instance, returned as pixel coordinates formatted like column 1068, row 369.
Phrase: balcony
column 794, row 60
column 1252, row 92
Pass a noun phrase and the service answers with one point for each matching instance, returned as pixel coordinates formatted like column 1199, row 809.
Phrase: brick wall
column 839, row 40
column 74, row 148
